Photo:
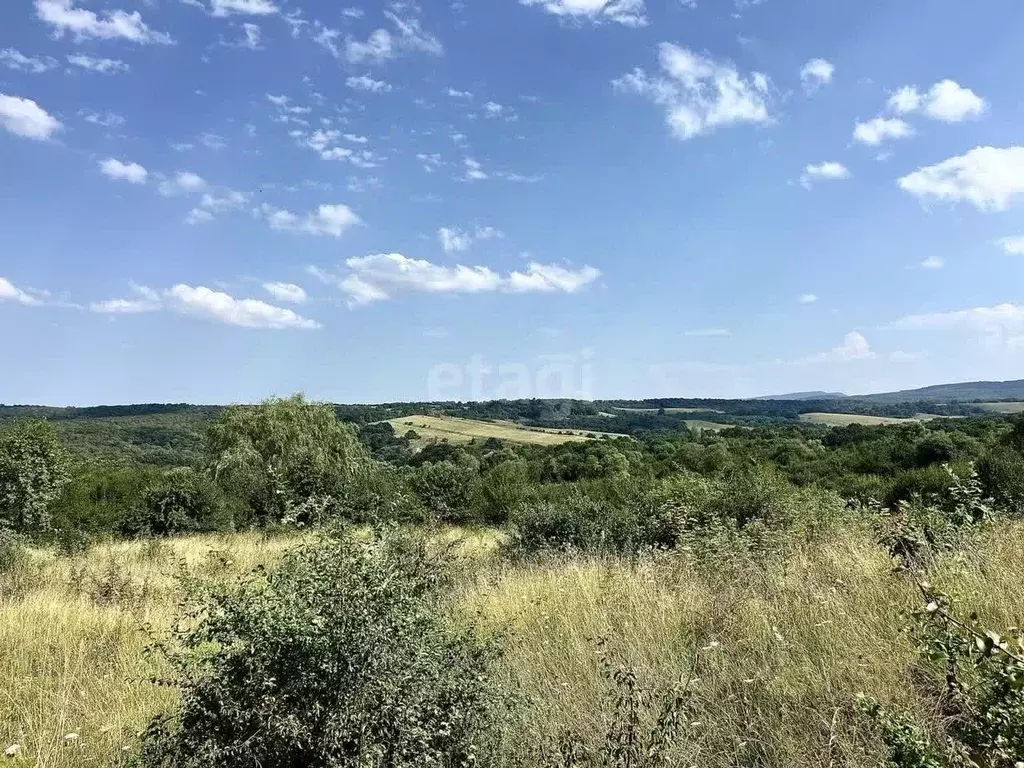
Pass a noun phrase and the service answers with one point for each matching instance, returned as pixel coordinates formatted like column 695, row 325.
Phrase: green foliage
column 379, row 493
column 446, row 490
column 287, row 458
column 101, row 496
column 504, row 487
column 1001, row 471
column 981, row 694
column 33, row 472
column 182, row 501
column 337, row 657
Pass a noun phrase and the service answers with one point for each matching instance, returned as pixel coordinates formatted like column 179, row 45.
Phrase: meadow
column 458, row 430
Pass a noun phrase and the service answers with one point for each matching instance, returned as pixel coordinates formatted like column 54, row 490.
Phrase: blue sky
column 219, row 200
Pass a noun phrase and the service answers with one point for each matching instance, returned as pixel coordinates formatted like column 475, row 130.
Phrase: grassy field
column 457, row 430
column 843, row 419
column 780, row 646
column 1009, row 407
column 670, row 410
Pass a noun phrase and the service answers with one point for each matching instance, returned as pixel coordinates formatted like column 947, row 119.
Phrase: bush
column 446, row 490
column 184, row 501
column 379, row 493
column 33, row 472
column 337, row 657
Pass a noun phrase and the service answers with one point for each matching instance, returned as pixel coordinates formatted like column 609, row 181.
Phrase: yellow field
column 456, row 430
column 843, row 419
column 670, row 410
column 1017, row 407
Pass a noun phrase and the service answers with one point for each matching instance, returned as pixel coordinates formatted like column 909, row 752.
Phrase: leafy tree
column 33, row 472
column 284, row 457
column 183, row 501
column 446, row 490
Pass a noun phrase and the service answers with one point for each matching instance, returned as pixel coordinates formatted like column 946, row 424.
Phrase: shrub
column 337, row 657
column 33, row 472
column 378, row 493
column 183, row 501
column 446, row 490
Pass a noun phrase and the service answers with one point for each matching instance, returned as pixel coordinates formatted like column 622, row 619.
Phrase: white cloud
column 707, row 332
column 253, row 37
column 906, row 99
column 183, row 182
column 10, row 292
column 323, row 142
column 827, row 170
column 1001, row 324
column 548, row 278
column 367, row 83
column 289, row 292
column 352, row 13
column 203, row 302
column 699, row 94
column 1012, row 245
column 474, row 170
column 25, row 118
column 854, row 347
column 947, row 101
column 630, row 13
column 455, row 94
column 64, row 17
column 878, row 129
column 807, row 298
column 95, row 64
column 990, row 178
column 355, row 138
column 430, row 162
column 933, row 262
column 14, row 59
column 453, row 239
column 816, row 73
column 952, row 103
column 382, row 45
column 144, row 300
column 242, row 7
column 198, row 216
column 133, row 173
column 227, row 200
column 212, row 141
column 384, row 275
column 105, row 119
column 332, row 220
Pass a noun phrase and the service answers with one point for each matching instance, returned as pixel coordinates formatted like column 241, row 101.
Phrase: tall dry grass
column 781, row 647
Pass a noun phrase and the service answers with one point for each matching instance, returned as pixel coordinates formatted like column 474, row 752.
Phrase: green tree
column 183, row 501
column 446, row 489
column 286, row 457
column 33, row 472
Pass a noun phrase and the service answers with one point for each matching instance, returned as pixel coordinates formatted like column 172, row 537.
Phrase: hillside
column 966, row 391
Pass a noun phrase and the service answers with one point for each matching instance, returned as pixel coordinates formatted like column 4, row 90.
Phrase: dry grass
column 1014, row 407
column 796, row 639
column 456, row 430
column 844, row 419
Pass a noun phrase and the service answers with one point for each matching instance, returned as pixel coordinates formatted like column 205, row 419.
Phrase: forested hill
column 967, row 391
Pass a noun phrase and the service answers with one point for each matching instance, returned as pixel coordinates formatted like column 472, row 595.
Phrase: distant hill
column 816, row 395
column 966, row 391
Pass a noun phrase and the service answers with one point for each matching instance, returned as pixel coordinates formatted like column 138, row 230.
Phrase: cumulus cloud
column 807, row 298
column 453, row 239
column 133, row 173
column 630, row 13
column 324, row 142
column 431, row 162
column 382, row 44
column 383, row 276
column 698, row 93
column 474, row 170
column 288, row 292
column 203, row 302
column 816, row 73
column 103, row 119
column 1000, row 324
column 854, row 347
column 933, row 262
column 456, row 94
column 14, row 59
column 878, row 129
column 990, row 178
column 367, row 83
column 25, row 118
column 827, row 170
column 95, row 64
column 947, row 101
column 65, row 18
column 10, row 292
column 1012, row 245
column 183, row 182
column 329, row 220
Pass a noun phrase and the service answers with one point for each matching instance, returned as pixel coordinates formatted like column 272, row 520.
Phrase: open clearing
column 844, row 419
column 670, row 410
column 456, row 430
column 1014, row 407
